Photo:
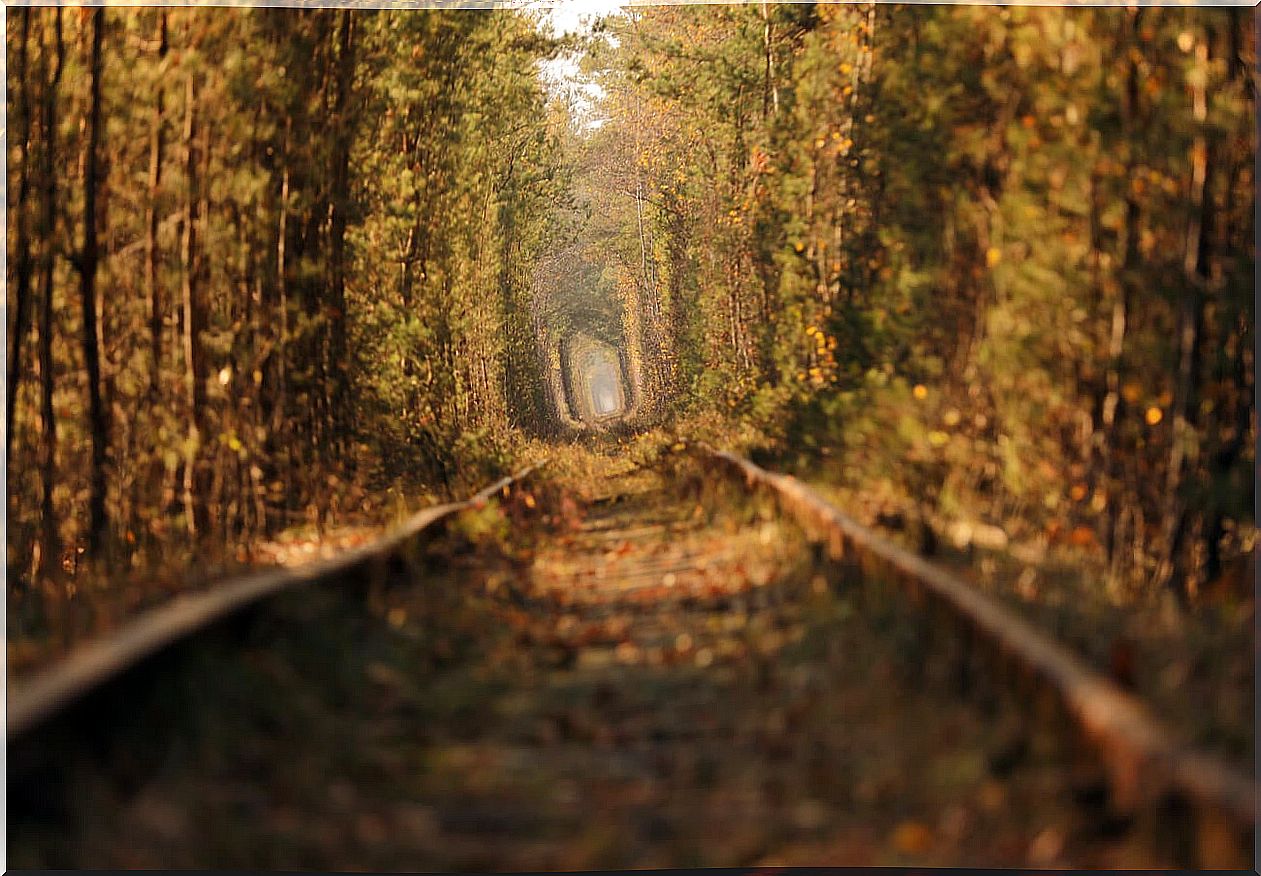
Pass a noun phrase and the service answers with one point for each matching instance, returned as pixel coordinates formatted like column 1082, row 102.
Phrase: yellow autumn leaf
column 920, row 391
column 993, row 256
column 912, row 838
column 1154, row 415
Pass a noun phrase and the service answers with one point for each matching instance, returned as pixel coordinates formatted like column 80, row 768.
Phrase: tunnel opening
column 594, row 380
column 589, row 345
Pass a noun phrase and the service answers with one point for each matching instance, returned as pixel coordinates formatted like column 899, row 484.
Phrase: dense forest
column 261, row 261
column 270, row 267
column 990, row 263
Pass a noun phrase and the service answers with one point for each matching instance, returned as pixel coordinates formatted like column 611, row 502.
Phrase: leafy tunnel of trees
column 985, row 263
column 265, row 263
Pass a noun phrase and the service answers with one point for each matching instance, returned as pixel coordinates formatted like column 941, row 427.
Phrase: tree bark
column 88, row 258
column 279, row 422
column 22, row 244
column 156, row 149
column 1171, row 570
column 1236, row 417
column 770, row 93
column 1112, row 408
column 194, row 377
column 339, row 206
column 49, row 542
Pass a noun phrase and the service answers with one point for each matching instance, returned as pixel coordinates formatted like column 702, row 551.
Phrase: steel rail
column 1144, row 764
column 60, row 685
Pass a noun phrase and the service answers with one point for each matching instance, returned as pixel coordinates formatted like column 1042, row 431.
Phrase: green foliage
column 997, row 209
column 999, row 260
column 487, row 525
column 318, row 229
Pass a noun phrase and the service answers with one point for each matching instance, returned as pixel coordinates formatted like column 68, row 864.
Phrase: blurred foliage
column 989, row 264
column 995, row 262
column 316, row 238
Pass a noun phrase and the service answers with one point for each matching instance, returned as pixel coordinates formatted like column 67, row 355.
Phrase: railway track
column 703, row 664
column 92, row 669
column 1147, row 771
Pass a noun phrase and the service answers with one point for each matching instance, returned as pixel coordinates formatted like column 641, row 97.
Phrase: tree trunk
column 156, row 148
column 279, row 423
column 194, row 382
column 22, row 244
column 338, row 366
column 88, row 259
column 770, row 93
column 49, row 542
column 1236, row 417
column 1112, row 408
column 1171, row 570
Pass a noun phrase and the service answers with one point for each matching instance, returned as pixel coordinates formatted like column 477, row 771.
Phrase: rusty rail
column 48, row 692
column 1146, row 768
